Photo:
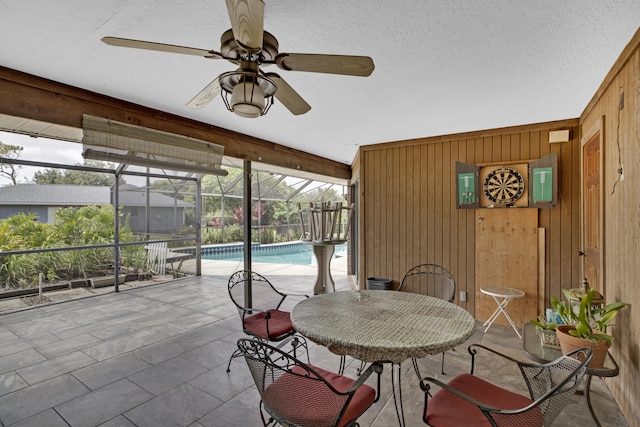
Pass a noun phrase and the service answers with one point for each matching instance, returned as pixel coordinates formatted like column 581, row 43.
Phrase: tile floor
column 157, row 356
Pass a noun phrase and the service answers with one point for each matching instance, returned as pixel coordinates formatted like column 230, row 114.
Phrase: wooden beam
column 474, row 134
column 28, row 96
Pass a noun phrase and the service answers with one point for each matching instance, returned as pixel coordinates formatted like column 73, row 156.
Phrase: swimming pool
column 279, row 253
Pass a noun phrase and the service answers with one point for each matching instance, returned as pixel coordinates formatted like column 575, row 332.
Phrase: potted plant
column 546, row 330
column 586, row 325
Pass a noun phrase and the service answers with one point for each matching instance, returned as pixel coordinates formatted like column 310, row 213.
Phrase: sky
column 40, row 149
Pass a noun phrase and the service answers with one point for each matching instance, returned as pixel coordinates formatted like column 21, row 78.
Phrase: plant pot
column 569, row 343
column 548, row 338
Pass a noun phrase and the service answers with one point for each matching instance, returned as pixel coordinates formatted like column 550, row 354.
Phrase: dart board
column 503, row 186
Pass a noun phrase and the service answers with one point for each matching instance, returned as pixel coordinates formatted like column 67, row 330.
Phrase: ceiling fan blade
column 161, row 47
column 331, row 64
column 247, row 22
column 288, row 96
column 206, row 95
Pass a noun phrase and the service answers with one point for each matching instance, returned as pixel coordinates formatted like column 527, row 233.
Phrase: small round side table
column 502, row 296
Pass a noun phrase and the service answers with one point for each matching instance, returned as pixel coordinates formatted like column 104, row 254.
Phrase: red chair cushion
column 447, row 409
column 279, row 324
column 305, row 401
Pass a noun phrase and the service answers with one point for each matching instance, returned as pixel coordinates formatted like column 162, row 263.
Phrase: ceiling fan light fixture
column 247, row 93
column 247, row 100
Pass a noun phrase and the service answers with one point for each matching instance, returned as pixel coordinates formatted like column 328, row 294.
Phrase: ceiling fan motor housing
column 230, row 49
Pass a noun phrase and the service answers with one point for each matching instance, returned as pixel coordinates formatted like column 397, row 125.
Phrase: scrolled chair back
column 295, row 393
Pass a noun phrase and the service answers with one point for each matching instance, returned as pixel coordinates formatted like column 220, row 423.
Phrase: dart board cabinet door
column 524, row 184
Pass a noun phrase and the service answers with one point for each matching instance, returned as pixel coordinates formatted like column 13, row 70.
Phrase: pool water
column 299, row 254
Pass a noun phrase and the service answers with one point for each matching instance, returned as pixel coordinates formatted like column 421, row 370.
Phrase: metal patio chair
column 264, row 319
column 293, row 393
column 433, row 280
column 470, row 400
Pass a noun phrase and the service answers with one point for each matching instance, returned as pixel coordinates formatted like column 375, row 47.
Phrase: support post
column 246, row 186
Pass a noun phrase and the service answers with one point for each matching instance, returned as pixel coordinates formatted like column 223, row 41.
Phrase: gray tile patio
column 157, row 355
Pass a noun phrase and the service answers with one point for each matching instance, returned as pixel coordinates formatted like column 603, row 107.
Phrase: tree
column 9, row 171
column 76, row 177
column 48, row 176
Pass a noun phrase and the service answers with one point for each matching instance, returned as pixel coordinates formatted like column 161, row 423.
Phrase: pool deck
column 217, row 267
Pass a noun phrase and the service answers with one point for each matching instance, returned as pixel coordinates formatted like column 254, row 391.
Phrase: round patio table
column 373, row 325
column 377, row 325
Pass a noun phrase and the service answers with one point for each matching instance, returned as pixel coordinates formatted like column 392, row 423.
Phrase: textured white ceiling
column 441, row 67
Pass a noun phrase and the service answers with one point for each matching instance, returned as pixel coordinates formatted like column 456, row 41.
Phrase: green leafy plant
column 176, row 273
column 590, row 321
column 88, row 225
column 541, row 322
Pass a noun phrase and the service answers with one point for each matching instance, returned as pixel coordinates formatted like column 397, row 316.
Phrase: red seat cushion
column 279, row 324
column 306, row 401
column 447, row 409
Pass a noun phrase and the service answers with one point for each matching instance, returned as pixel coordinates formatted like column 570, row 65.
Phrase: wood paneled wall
column 621, row 259
column 408, row 212
column 408, row 215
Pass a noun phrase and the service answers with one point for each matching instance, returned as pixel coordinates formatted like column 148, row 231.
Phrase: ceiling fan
column 248, row 91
